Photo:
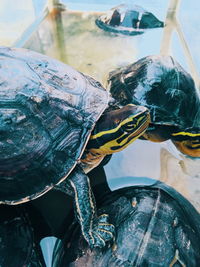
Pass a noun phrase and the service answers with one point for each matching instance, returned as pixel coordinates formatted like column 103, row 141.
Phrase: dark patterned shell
column 47, row 112
column 128, row 20
column 155, row 226
column 163, row 86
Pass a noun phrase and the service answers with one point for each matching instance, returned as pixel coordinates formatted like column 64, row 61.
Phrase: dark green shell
column 155, row 226
column 163, row 86
column 128, row 20
column 47, row 112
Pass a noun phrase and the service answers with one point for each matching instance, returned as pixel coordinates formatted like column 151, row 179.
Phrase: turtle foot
column 101, row 233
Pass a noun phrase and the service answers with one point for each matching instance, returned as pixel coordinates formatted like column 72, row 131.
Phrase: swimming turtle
column 128, row 20
column 155, row 226
column 57, row 123
column 168, row 91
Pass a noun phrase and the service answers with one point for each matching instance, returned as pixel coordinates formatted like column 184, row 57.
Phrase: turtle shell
column 47, row 112
column 155, row 226
column 128, row 20
column 163, row 86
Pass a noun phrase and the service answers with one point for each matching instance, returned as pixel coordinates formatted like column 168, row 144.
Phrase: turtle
column 18, row 244
column 155, row 226
column 55, row 124
column 128, row 20
column 160, row 83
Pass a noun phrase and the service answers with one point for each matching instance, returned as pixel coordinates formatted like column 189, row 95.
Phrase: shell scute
column 48, row 111
column 163, row 86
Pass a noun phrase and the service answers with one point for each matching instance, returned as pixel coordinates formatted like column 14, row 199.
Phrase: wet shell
column 163, row 86
column 47, row 112
column 155, row 226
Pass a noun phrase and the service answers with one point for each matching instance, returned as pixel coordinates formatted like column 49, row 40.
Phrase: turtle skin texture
column 128, row 20
column 168, row 91
column 155, row 226
column 47, row 113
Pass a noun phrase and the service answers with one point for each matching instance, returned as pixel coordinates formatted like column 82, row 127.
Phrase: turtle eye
column 117, row 121
column 129, row 127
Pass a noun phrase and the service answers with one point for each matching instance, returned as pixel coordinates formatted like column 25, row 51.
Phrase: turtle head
column 116, row 129
column 188, row 141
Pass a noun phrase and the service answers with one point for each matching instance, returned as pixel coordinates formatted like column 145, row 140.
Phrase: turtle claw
column 101, row 233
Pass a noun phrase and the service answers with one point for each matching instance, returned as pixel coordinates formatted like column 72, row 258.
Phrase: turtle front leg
column 96, row 230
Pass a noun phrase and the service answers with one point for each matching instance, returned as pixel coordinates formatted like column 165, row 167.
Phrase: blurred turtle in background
column 168, row 91
column 128, row 20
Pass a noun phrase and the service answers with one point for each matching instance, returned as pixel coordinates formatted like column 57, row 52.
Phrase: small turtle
column 49, row 115
column 168, row 91
column 128, row 20
column 155, row 226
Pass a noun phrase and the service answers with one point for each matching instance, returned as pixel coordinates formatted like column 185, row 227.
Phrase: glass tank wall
column 67, row 31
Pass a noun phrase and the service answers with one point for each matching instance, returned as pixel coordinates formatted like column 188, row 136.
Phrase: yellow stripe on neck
column 106, row 148
column 118, row 127
column 186, row 134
